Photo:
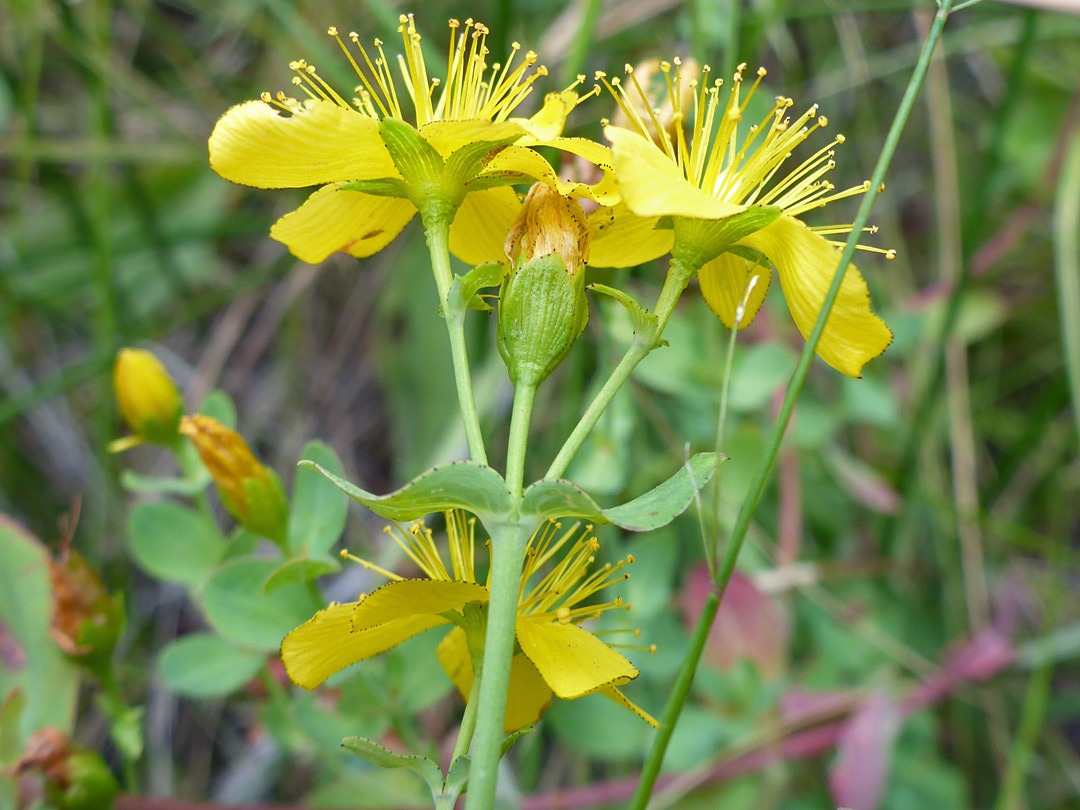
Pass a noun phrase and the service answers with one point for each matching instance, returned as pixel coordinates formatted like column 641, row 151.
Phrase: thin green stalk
column 468, row 720
column 508, row 541
column 1031, row 721
column 679, row 693
column 712, row 544
column 1067, row 268
column 584, row 40
column 524, row 396
column 437, row 226
column 655, row 756
column 678, row 277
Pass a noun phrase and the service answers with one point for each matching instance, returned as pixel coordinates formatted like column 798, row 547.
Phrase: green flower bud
column 542, row 305
column 86, row 621
column 147, row 397
column 75, row 778
column 250, row 490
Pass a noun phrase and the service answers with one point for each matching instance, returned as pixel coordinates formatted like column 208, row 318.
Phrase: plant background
column 924, row 506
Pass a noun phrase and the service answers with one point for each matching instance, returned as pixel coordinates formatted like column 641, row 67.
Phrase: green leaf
column 513, row 737
column 238, row 608
column 205, row 665
column 32, row 662
column 463, row 291
column 301, row 570
column 175, row 543
column 456, row 778
column 317, row 513
column 645, row 323
column 219, row 405
column 11, row 712
column 381, row 187
column 374, row 753
column 459, row 485
column 556, row 498
column 148, row 484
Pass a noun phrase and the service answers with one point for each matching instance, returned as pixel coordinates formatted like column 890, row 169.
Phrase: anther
column 890, row 254
column 332, row 30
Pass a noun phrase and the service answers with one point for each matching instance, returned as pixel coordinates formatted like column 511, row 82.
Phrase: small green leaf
column 556, row 498
column 10, row 716
column 513, row 737
column 205, row 665
column 465, row 163
column 456, row 778
column 463, row 291
column 219, row 405
column 174, row 543
column 300, row 569
column 147, row 484
column 374, row 753
column 317, row 512
column 238, row 608
column 458, row 485
column 645, row 323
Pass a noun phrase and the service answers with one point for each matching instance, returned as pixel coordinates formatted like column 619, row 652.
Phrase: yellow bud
column 250, row 490
column 146, row 395
column 549, row 224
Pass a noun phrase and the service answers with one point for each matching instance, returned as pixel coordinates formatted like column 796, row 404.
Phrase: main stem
column 508, row 541
column 678, row 277
column 655, row 757
column 437, row 227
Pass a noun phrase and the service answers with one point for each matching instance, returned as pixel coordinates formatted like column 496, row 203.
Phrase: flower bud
column 250, row 490
column 75, row 778
column 86, row 621
column 147, row 397
column 542, row 306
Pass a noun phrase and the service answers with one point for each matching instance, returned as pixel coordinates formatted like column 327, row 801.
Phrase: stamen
column 345, row 555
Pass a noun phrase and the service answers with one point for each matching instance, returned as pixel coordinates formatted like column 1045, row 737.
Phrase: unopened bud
column 86, row 621
column 147, row 397
column 542, row 306
column 75, row 778
column 250, row 490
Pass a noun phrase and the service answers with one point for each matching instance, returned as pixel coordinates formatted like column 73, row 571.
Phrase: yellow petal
column 652, row 185
column 410, row 597
column 449, row 136
column 478, row 232
column 623, row 239
column 805, row 263
column 549, row 122
column 623, row 700
column 725, row 282
column 528, row 698
column 255, row 145
column 524, row 163
column 325, row 644
column 572, row 661
column 333, row 220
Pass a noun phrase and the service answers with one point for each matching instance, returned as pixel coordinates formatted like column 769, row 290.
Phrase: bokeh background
column 904, row 629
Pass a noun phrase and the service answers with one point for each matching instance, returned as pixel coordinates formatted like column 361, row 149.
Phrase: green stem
column 749, row 506
column 679, row 273
column 437, row 226
column 524, row 396
column 679, row 692
column 468, row 720
column 1031, row 721
column 712, row 546
column 508, row 542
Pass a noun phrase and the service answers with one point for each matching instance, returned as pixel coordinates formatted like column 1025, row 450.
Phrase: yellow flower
column 456, row 159
column 250, row 490
column 554, row 655
column 147, row 397
column 700, row 173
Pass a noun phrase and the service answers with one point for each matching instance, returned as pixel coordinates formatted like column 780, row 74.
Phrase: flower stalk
column 722, row 576
column 436, row 221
